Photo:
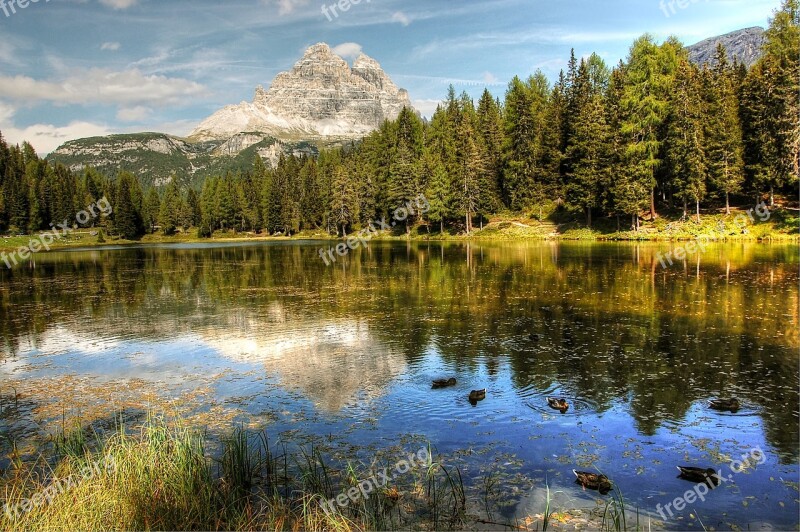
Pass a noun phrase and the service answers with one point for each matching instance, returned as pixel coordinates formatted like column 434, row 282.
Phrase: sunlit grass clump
column 160, row 477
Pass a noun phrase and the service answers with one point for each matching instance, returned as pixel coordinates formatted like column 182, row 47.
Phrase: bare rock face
column 320, row 97
column 744, row 45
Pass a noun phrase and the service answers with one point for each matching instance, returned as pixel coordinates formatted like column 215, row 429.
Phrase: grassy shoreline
column 783, row 226
column 161, row 474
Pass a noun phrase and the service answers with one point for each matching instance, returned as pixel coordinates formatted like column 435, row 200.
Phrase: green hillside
column 156, row 158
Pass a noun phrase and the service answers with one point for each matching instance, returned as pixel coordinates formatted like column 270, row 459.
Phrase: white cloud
column 47, row 137
column 285, row 7
column 133, row 114
column 6, row 112
column 110, row 46
column 9, row 53
column 98, row 86
column 490, row 78
column 535, row 35
column 402, row 18
column 426, row 107
column 119, row 4
column 347, row 50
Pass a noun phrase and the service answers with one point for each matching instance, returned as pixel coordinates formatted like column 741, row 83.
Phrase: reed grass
column 614, row 514
column 164, row 479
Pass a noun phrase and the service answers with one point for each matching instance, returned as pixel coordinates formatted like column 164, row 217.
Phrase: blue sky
column 77, row 68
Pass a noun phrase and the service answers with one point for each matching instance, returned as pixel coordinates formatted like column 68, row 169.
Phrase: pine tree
column 490, row 126
column 439, row 189
column 224, row 203
column 649, row 75
column 772, row 98
column 38, row 176
column 627, row 191
column 170, row 212
column 15, row 190
column 589, row 153
column 525, row 128
column 208, row 206
column 404, row 176
column 617, row 142
column 61, row 197
column 344, row 200
column 441, row 143
column 471, row 164
column 152, row 209
column 685, row 141
column 127, row 220
column 723, row 129
column 4, row 161
column 547, row 171
column 273, row 214
column 193, row 208
column 311, row 206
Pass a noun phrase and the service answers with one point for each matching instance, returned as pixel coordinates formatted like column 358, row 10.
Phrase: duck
column 558, row 404
column 699, row 474
column 533, row 337
column 730, row 405
column 594, row 481
column 443, row 383
column 477, row 395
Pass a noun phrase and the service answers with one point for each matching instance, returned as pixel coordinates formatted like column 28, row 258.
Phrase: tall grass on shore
column 163, row 479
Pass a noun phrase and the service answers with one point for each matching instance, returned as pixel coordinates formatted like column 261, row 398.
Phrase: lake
column 342, row 356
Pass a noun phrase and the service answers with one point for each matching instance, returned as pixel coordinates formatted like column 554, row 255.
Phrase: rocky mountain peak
column 743, row 45
column 320, row 49
column 321, row 96
column 365, row 62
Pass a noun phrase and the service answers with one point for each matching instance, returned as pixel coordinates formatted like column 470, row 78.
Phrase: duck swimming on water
column 443, row 383
column 558, row 404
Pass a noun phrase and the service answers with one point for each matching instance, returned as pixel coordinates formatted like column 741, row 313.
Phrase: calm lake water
column 343, row 356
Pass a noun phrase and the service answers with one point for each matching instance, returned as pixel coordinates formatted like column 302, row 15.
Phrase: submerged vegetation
column 164, row 478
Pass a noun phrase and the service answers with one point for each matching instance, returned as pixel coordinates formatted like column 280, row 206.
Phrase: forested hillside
column 652, row 132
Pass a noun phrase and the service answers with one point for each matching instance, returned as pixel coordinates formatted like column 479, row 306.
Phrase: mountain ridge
column 320, row 97
column 743, row 45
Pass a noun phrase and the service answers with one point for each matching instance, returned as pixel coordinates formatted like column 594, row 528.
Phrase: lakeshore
column 783, row 225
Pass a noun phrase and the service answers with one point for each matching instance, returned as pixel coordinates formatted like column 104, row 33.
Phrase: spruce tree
column 127, row 220
column 471, row 164
column 404, row 176
column 439, row 189
column 723, row 129
column 685, row 141
column 490, row 126
column 649, row 73
column 170, row 211
column 194, row 209
column 152, row 209
column 311, row 206
column 589, row 153
column 344, row 199
column 781, row 76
